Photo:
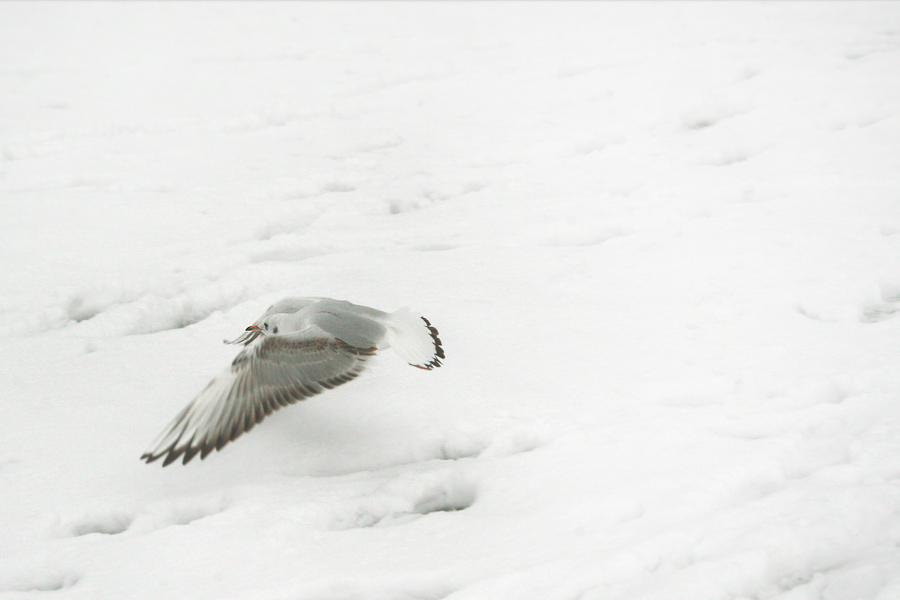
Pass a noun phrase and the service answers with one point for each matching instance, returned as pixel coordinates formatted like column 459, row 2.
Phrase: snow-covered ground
column 661, row 243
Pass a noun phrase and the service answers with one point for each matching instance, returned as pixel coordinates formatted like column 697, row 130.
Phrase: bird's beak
column 253, row 328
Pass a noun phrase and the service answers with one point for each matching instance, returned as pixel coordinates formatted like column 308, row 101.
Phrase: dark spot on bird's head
column 275, row 330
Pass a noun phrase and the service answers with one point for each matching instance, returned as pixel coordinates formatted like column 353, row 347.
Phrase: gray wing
column 271, row 373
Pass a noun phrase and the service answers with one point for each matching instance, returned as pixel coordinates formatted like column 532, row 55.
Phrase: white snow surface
column 661, row 242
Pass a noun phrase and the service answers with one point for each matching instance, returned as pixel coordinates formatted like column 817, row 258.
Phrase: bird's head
column 270, row 326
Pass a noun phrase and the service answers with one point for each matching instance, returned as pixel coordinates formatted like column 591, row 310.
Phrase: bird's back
column 356, row 325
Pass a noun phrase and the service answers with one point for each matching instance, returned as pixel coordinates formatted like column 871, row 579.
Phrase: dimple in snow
column 298, row 348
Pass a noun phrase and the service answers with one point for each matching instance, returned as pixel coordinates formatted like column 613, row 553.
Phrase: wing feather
column 269, row 373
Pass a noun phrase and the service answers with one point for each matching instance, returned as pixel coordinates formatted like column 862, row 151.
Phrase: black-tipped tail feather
column 438, row 349
column 415, row 339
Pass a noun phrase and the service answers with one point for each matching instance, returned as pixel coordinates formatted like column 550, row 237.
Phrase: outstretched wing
column 272, row 372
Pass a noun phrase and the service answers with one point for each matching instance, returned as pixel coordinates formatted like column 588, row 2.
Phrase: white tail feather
column 414, row 339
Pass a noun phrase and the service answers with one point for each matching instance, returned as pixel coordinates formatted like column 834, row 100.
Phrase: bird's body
column 298, row 348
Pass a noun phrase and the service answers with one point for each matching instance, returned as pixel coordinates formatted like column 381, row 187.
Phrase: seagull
column 298, row 348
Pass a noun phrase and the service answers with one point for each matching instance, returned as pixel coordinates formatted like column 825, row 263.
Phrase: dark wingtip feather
column 170, row 459
column 438, row 348
column 190, row 453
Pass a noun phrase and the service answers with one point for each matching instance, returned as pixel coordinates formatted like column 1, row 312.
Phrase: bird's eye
column 266, row 326
column 275, row 330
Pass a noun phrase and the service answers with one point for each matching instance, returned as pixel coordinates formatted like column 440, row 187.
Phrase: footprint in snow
column 110, row 523
column 151, row 518
column 406, row 500
column 484, row 444
column 883, row 309
column 35, row 579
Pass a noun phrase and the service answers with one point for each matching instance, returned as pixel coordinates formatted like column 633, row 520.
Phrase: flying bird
column 298, row 348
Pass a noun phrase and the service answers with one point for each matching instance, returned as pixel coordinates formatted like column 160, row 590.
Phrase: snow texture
column 661, row 242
